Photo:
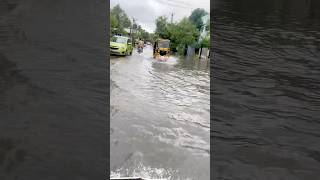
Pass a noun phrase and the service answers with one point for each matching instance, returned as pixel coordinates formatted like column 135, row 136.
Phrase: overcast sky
column 146, row 11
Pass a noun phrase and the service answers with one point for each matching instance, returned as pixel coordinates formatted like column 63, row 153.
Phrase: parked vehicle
column 121, row 45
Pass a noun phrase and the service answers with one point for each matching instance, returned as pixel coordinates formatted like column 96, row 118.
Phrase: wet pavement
column 160, row 117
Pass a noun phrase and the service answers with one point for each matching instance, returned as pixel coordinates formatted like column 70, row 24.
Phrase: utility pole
column 132, row 30
column 171, row 17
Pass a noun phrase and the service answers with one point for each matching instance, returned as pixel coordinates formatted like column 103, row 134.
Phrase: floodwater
column 265, row 90
column 160, row 117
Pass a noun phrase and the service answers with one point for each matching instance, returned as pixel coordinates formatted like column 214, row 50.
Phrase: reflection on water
column 159, row 117
column 265, row 89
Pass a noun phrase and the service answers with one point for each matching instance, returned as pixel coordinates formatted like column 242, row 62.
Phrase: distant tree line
column 184, row 33
column 119, row 21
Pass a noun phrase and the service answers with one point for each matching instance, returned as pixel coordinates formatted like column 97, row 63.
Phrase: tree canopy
column 196, row 16
column 121, row 16
column 181, row 34
column 205, row 42
column 161, row 27
column 113, row 21
column 119, row 20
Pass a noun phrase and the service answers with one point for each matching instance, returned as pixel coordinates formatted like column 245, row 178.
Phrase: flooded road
column 160, row 115
column 265, row 93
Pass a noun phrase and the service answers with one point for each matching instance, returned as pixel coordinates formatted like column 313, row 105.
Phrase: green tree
column 161, row 27
column 187, row 32
column 195, row 17
column 205, row 42
column 180, row 34
column 183, row 34
column 113, row 24
column 145, row 35
column 121, row 16
column 135, row 26
column 119, row 20
column 113, row 21
column 139, row 28
column 154, row 37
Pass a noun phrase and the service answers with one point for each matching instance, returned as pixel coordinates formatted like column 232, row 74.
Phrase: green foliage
column 161, row 27
column 181, row 34
column 121, row 16
column 145, row 35
column 119, row 20
column 141, row 33
column 206, row 42
column 185, row 32
column 195, row 17
column 181, row 49
column 113, row 21
column 154, row 37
